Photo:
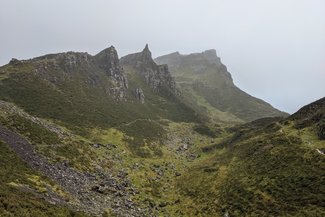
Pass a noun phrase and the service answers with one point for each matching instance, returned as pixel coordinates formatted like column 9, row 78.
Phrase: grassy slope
column 273, row 171
column 202, row 106
column 78, row 153
column 74, row 149
column 198, row 77
column 15, row 176
column 256, row 171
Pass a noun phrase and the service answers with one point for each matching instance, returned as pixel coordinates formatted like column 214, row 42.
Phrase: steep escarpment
column 202, row 75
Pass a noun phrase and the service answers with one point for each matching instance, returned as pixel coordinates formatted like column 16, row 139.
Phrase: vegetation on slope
column 20, row 189
column 275, row 170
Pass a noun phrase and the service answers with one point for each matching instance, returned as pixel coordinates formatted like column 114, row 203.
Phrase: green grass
column 260, row 174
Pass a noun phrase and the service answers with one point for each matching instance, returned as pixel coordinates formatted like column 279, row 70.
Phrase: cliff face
column 108, row 60
column 156, row 76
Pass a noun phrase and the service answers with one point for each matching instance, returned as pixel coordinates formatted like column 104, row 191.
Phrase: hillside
column 269, row 167
column 253, row 169
column 84, row 135
column 207, row 84
column 81, row 92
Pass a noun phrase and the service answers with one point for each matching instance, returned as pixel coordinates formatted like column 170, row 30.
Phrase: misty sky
column 274, row 49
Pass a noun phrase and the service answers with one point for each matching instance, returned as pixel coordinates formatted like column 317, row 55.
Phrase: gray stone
column 156, row 76
column 139, row 95
column 109, row 61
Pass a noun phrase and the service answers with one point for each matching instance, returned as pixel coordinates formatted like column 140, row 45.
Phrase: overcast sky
column 274, row 49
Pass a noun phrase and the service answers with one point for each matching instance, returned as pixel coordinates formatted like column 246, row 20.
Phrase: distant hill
column 207, row 84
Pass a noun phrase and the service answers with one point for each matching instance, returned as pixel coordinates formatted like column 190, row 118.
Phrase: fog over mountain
column 273, row 49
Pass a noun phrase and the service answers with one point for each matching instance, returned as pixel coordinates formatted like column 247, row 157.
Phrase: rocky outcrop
column 108, row 60
column 211, row 57
column 156, row 76
column 139, row 95
column 14, row 61
column 67, row 61
column 72, row 59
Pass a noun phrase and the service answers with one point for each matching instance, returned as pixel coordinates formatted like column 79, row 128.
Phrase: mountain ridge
column 207, row 76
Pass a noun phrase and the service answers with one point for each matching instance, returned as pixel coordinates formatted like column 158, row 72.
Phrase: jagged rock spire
column 146, row 48
column 146, row 54
column 156, row 76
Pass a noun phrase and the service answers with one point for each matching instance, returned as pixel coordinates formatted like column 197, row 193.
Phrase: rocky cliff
column 156, row 76
column 109, row 61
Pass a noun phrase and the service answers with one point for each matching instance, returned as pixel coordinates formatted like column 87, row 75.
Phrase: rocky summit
column 156, row 76
column 99, row 135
